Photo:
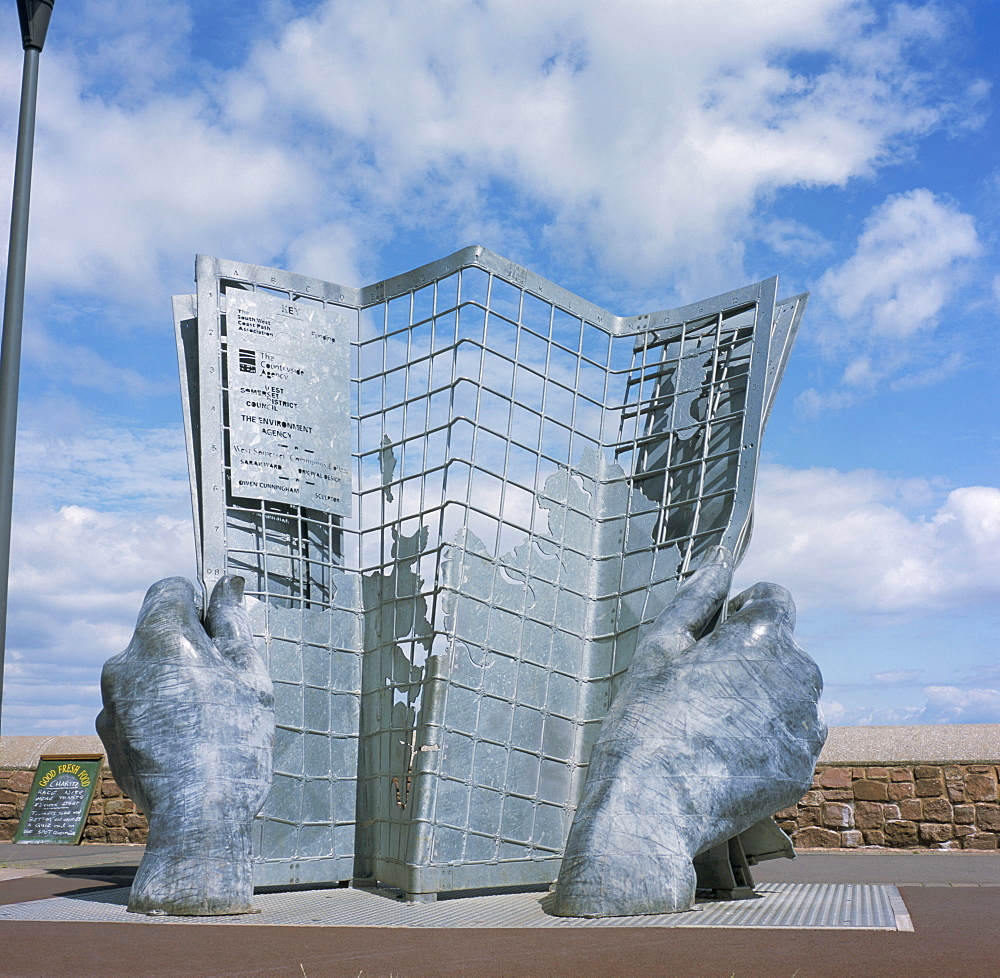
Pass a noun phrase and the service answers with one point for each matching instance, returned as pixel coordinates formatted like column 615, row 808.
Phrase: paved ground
column 953, row 899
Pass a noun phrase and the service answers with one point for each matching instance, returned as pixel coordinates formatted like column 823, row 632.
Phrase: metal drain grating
column 780, row 905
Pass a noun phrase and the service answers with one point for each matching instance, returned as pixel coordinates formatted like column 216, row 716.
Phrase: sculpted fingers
column 760, row 628
column 168, row 622
column 228, row 624
column 694, row 605
column 766, row 603
column 227, row 619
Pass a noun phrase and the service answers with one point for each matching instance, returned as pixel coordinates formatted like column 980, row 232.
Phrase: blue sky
column 640, row 154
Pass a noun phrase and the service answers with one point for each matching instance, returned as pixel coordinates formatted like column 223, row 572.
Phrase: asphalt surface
column 953, row 899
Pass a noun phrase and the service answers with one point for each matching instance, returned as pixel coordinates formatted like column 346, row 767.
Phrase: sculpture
column 456, row 536
column 188, row 725
column 709, row 734
column 460, row 498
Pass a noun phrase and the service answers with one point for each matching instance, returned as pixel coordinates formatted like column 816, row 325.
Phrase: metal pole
column 34, row 17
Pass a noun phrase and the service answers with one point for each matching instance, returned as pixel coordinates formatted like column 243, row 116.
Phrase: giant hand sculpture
column 707, row 736
column 188, row 725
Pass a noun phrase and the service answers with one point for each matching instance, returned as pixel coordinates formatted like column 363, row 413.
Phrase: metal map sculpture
column 460, row 499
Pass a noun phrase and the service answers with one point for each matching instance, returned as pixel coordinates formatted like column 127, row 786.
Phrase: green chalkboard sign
column 60, row 798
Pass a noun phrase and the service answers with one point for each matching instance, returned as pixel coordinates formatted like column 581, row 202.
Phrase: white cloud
column 833, row 710
column 906, row 266
column 79, row 572
column 869, row 716
column 135, row 171
column 793, row 239
column 647, row 133
column 162, row 183
column 651, row 131
column 75, row 364
column 77, row 580
column 940, row 704
column 873, row 716
column 128, row 48
column 897, row 675
column 104, row 468
column 79, row 561
column 321, row 251
column 949, row 704
column 884, row 301
column 838, row 714
column 847, row 540
column 644, row 137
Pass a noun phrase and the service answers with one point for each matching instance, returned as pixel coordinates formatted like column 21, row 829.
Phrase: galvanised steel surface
column 450, row 591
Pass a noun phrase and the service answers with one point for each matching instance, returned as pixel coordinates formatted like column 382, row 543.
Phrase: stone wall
column 901, row 787
column 112, row 816
column 951, row 806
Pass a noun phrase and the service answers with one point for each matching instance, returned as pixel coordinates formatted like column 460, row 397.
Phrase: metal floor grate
column 781, row 905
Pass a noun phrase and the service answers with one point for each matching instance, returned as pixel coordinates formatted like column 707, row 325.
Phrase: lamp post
column 34, row 16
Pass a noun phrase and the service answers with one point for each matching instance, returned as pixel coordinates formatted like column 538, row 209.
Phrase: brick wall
column 949, row 806
column 938, row 806
column 899, row 787
column 112, row 816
